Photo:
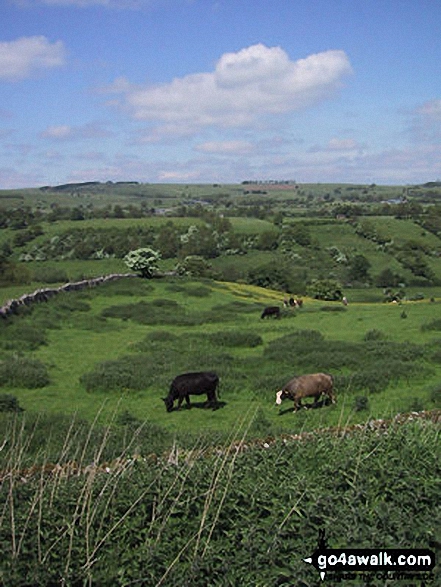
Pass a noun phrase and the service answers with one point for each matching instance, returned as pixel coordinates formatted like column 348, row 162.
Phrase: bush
column 21, row 336
column 160, row 311
column 433, row 325
column 361, row 403
column 236, row 339
column 9, row 403
column 325, row 289
column 23, row 372
column 131, row 373
column 374, row 335
column 435, row 395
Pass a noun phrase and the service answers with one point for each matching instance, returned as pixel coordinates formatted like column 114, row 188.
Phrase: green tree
column 144, row 260
column 325, row 289
column 194, row 266
column 359, row 268
column 168, row 240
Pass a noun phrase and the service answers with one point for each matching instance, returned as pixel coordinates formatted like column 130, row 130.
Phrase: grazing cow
column 271, row 311
column 188, row 384
column 313, row 385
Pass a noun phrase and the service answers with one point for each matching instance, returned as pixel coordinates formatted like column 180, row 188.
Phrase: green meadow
column 115, row 349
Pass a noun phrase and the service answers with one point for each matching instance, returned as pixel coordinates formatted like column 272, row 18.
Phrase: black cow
column 271, row 311
column 188, row 384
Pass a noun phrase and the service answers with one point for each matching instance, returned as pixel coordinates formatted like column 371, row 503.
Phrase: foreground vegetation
column 231, row 516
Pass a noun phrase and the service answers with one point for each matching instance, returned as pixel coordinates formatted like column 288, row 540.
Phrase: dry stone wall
column 43, row 295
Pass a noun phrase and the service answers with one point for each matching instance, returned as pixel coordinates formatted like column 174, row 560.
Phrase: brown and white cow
column 313, row 385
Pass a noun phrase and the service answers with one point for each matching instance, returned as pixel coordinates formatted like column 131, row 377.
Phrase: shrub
column 128, row 373
column 325, row 289
column 23, row 372
column 9, row 403
column 374, row 335
column 361, row 403
column 433, row 325
column 20, row 336
column 435, row 395
column 236, row 339
column 160, row 311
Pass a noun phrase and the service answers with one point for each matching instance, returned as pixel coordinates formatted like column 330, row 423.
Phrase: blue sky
column 219, row 91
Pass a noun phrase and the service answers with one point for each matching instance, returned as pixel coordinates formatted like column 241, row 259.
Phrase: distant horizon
column 213, row 91
column 274, row 182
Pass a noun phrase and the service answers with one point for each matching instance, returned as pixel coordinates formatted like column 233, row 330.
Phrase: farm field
column 116, row 348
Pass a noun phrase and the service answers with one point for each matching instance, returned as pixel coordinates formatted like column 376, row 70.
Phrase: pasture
column 115, row 349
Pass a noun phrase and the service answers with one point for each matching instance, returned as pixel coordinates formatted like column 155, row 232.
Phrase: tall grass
column 232, row 514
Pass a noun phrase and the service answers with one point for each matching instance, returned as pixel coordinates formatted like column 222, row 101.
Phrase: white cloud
column 19, row 59
column 57, row 132
column 243, row 88
column 64, row 132
column 235, row 148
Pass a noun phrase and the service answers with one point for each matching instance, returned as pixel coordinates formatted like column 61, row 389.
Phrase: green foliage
column 21, row 336
column 236, row 338
column 358, row 268
column 372, row 365
column 9, row 403
column 16, row 371
column 361, row 403
column 131, row 373
column 183, row 520
column 325, row 289
column 144, row 261
column 159, row 311
column 280, row 275
column 373, row 335
column 194, row 266
column 433, row 325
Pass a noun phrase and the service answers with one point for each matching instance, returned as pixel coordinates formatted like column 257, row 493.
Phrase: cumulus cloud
column 244, row 87
column 19, row 59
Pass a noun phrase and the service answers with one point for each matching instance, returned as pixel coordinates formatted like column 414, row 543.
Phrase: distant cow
column 313, row 385
column 271, row 311
column 192, row 384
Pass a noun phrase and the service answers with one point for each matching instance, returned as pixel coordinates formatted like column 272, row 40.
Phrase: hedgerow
column 225, row 519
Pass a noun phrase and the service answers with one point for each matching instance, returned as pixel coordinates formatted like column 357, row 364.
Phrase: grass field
column 177, row 330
